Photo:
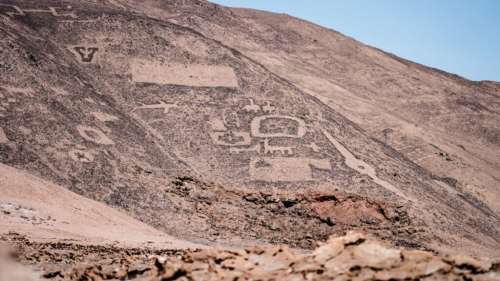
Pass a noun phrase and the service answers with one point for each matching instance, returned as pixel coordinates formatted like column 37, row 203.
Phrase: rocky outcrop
column 351, row 257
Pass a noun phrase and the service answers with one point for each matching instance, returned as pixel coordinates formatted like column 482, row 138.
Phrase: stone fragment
column 412, row 270
column 469, row 263
column 328, row 251
column 376, row 256
column 353, row 238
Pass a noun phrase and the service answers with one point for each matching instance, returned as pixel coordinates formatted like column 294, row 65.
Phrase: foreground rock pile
column 352, row 257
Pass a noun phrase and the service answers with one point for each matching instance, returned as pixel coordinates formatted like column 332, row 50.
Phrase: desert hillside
column 184, row 124
column 49, row 213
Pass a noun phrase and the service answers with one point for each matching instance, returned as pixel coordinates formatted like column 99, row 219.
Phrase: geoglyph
column 81, row 155
column 286, row 169
column 179, row 74
column 14, row 10
column 271, row 160
column 361, row 166
column 3, row 137
column 160, row 105
column 85, row 54
column 94, row 135
column 275, row 126
column 104, row 117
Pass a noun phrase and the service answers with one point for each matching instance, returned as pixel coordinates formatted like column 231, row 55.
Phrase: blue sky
column 458, row 36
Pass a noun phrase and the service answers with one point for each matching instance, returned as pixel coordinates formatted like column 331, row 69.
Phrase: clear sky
column 458, row 36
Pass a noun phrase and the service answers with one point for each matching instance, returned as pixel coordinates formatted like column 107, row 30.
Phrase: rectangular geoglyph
column 196, row 75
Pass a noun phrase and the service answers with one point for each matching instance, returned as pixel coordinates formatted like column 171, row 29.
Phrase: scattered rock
column 288, row 203
column 350, row 257
column 252, row 197
column 329, row 221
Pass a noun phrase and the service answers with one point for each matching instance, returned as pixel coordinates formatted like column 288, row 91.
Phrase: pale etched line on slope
column 3, row 137
column 361, row 166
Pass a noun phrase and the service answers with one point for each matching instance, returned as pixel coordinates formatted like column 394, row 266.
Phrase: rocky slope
column 242, row 127
column 351, row 257
column 444, row 123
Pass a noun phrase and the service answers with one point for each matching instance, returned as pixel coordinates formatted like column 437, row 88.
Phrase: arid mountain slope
column 440, row 121
column 203, row 141
column 50, row 213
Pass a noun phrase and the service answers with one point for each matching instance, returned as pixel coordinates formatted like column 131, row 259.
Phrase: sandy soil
column 46, row 212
